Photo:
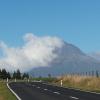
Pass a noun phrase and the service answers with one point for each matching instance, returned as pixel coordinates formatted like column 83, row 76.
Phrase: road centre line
column 56, row 92
column 74, row 97
column 38, row 87
column 45, row 89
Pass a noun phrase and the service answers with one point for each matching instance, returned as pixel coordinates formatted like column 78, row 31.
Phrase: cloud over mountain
column 35, row 52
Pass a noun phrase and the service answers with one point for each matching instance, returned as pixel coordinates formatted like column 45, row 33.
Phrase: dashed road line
column 74, row 97
column 56, row 92
column 45, row 89
column 38, row 87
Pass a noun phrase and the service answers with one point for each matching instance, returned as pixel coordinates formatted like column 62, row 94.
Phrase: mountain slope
column 70, row 59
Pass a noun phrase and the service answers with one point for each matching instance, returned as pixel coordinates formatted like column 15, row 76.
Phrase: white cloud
column 36, row 52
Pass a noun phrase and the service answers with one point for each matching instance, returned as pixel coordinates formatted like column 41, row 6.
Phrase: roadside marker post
column 15, row 79
column 61, row 83
column 7, row 80
column 28, row 80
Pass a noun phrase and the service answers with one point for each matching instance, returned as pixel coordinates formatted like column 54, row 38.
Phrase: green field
column 5, row 94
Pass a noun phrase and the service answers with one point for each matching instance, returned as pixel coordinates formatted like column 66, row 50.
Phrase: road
column 43, row 91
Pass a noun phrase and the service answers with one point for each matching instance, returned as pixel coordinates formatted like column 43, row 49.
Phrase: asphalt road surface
column 43, row 91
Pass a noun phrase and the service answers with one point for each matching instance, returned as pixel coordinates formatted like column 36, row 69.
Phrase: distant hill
column 95, row 55
column 70, row 59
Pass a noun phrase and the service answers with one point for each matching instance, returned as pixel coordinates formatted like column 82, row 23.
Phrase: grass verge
column 5, row 93
column 85, row 83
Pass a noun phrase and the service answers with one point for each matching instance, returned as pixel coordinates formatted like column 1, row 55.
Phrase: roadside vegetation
column 89, row 81
column 86, row 83
column 15, row 75
column 45, row 79
column 5, row 94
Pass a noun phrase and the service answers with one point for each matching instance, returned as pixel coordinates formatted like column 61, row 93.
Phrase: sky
column 75, row 21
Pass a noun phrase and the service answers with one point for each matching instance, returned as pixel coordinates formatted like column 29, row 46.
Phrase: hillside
column 70, row 59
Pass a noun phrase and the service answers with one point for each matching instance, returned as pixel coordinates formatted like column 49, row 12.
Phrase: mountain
column 95, row 55
column 70, row 59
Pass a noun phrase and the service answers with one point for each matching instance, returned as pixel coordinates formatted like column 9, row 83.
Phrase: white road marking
column 38, row 87
column 56, row 92
column 74, row 97
column 80, row 90
column 13, row 92
column 45, row 89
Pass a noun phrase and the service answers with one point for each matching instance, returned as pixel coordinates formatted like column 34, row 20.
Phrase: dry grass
column 81, row 82
column 1, row 98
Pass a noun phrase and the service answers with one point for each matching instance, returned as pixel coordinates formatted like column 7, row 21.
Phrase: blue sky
column 75, row 21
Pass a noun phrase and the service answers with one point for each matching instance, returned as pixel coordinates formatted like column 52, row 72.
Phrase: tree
column 0, row 74
column 25, row 75
column 14, row 75
column 49, row 75
column 89, row 73
column 92, row 73
column 86, row 73
column 4, row 74
column 8, row 75
column 18, row 74
column 97, row 74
